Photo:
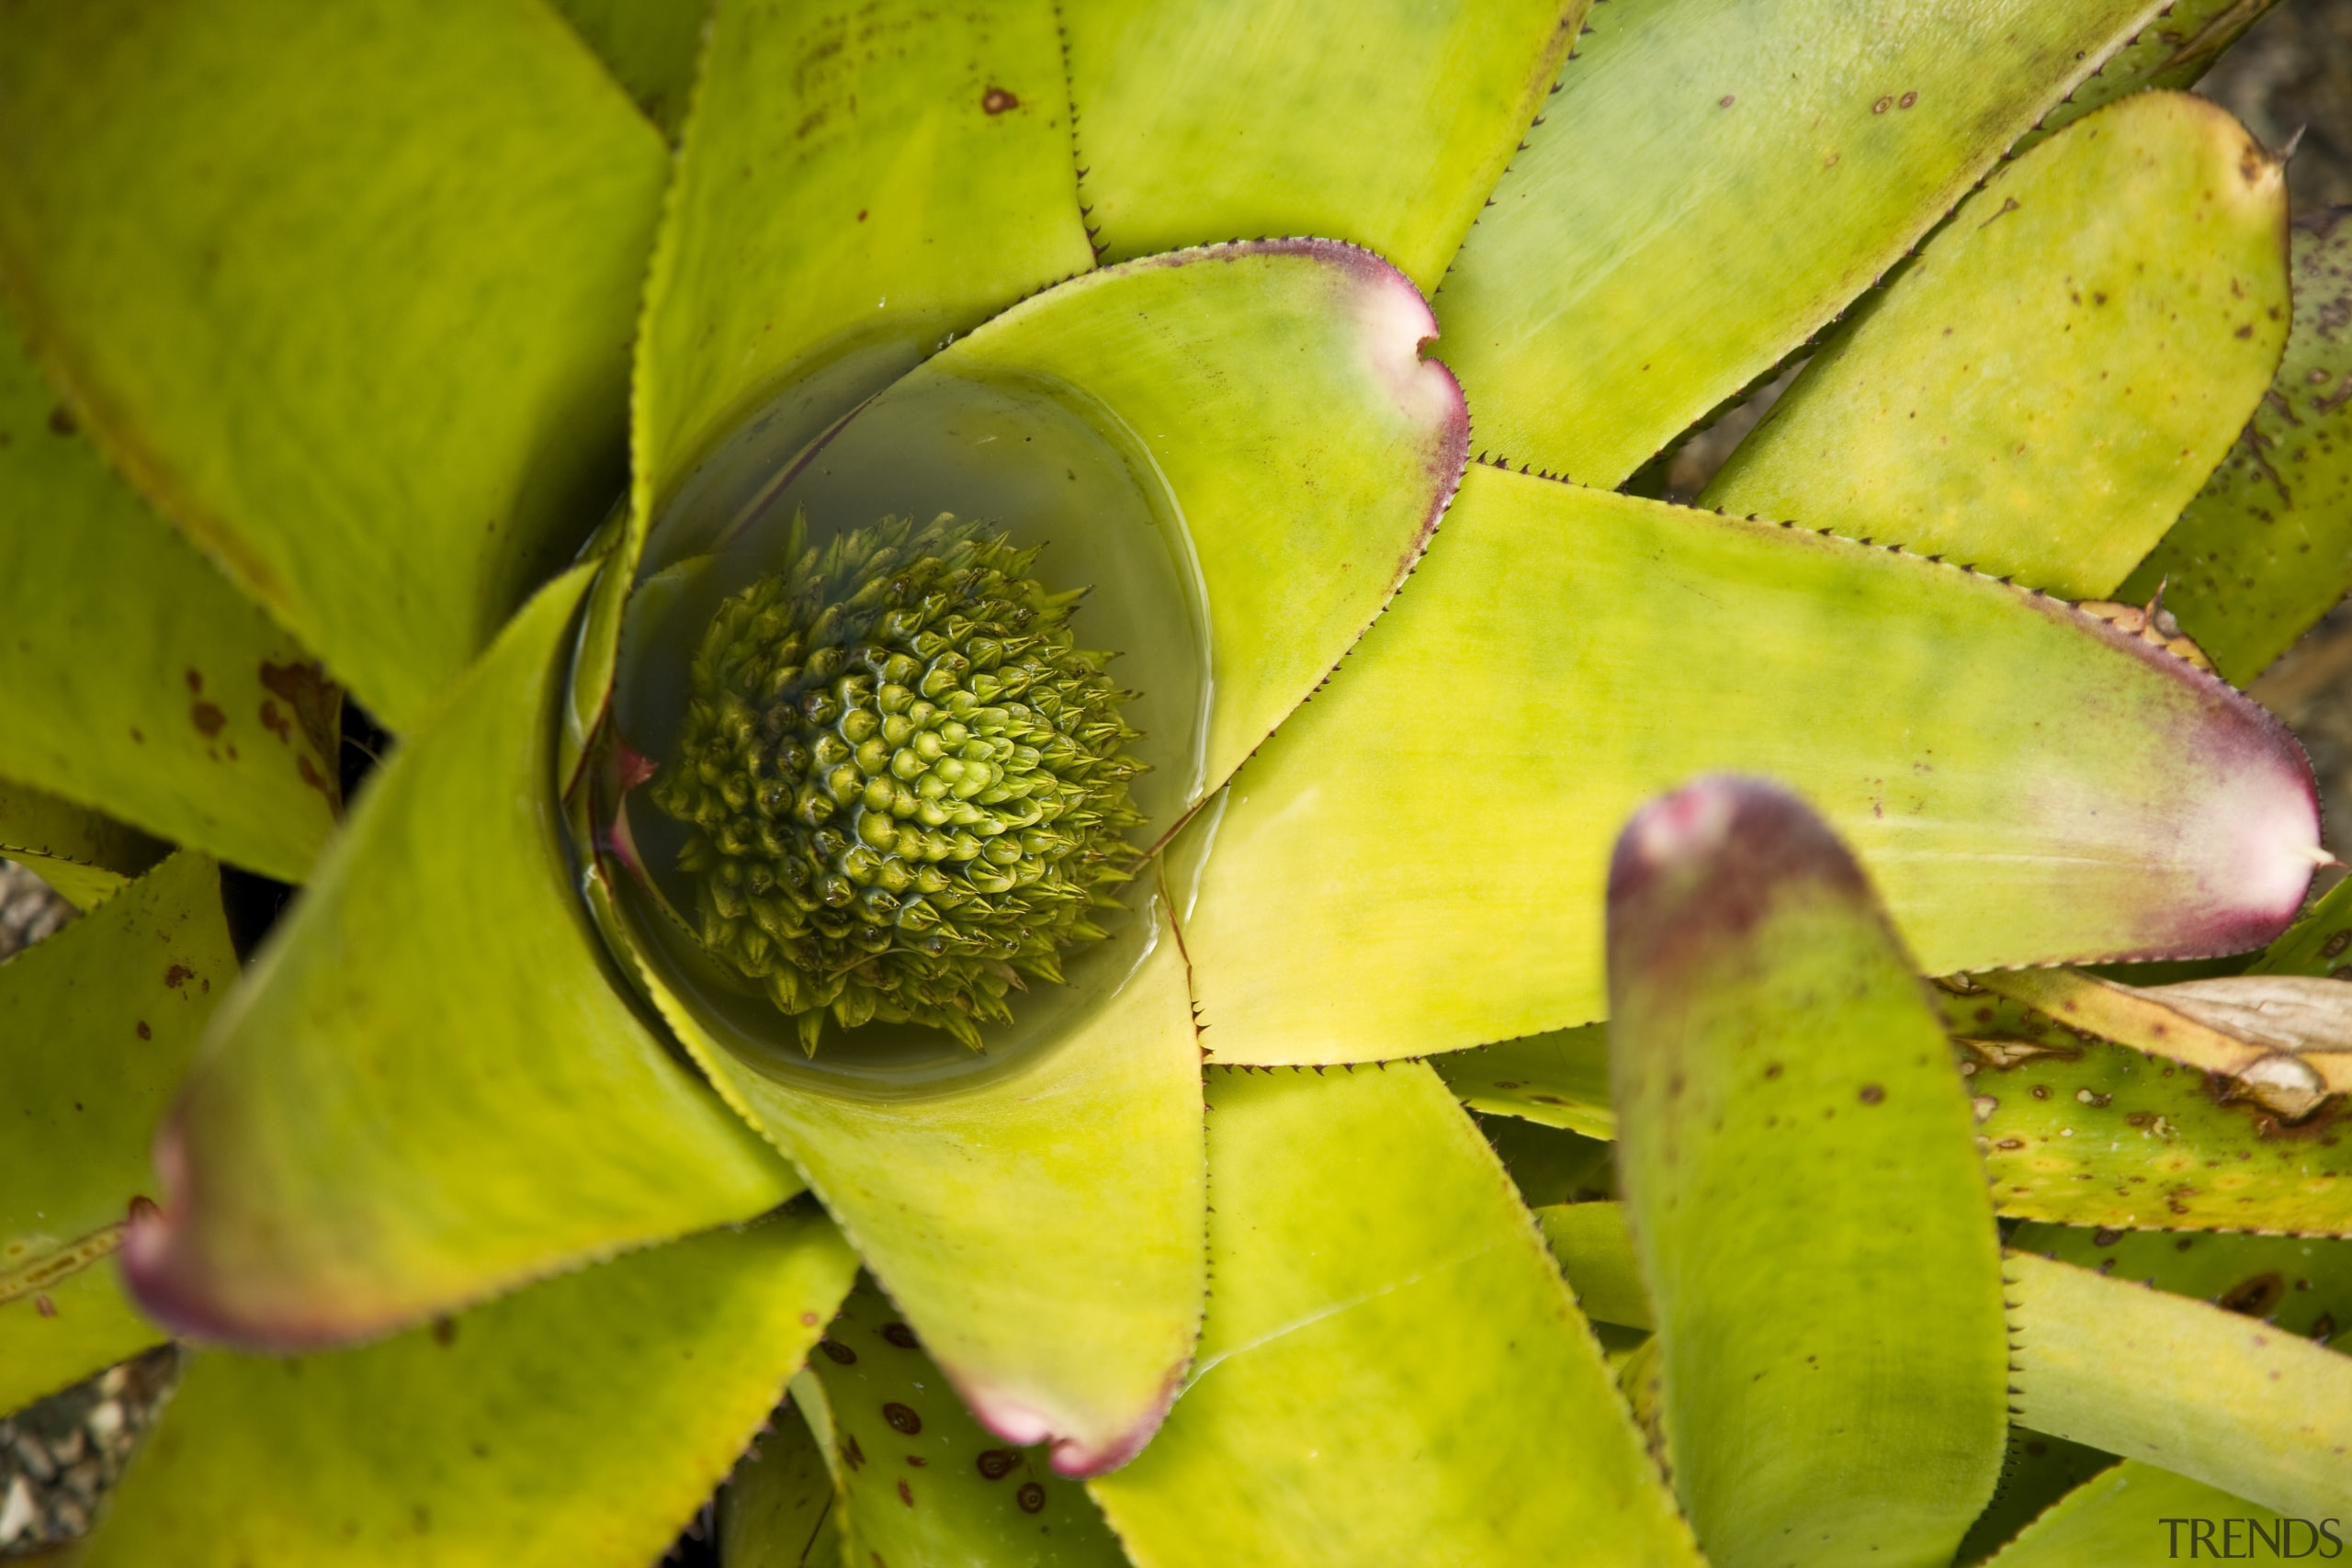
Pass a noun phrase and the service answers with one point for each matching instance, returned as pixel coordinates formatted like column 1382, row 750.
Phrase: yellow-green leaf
column 99, row 1024
column 1382, row 122
column 428, row 1090
column 1391, row 1368
column 2050, row 383
column 2227, row 1400
column 345, row 291
column 1715, row 181
column 1809, row 1213
column 1564, row 653
column 579, row 1422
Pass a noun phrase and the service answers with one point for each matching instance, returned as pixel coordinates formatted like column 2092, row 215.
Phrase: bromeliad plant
column 785, row 865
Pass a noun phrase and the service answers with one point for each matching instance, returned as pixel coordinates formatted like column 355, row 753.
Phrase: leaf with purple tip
column 581, row 1421
column 919, row 1480
column 1278, row 389
column 473, row 1106
column 1563, row 653
column 1040, row 1230
column 1784, row 1091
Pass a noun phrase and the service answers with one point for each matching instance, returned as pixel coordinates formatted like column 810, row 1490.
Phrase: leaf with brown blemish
column 2110, row 1137
column 1783, row 1092
column 2267, row 547
column 935, row 1486
column 2284, row 1041
column 2300, row 1284
column 99, row 1021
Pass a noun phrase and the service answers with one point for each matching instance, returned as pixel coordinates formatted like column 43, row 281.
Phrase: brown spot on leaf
column 1907, row 100
column 852, row 1454
column 208, row 718
column 906, row 1494
column 902, row 1418
column 445, row 1332
column 1873, row 1094
column 178, row 974
column 61, row 421
column 43, row 1306
column 1726, row 100
column 995, row 1464
column 1032, row 1497
column 838, row 1351
column 996, row 100
column 898, row 1334
column 145, row 1033
column 195, row 681
column 2257, row 1297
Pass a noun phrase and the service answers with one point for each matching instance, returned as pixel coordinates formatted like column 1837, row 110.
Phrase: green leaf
column 1040, row 1231
column 1384, row 124
column 1278, row 389
column 2119, row 1516
column 2051, row 382
column 1560, row 1080
column 1564, row 653
column 100, row 1020
column 2174, row 50
column 1668, row 302
column 1548, row 1165
column 85, row 857
column 427, row 1090
column 2297, row 1284
column 2039, row 1469
column 2267, row 549
column 854, row 185
column 2316, row 944
column 1595, row 1249
column 579, row 1422
column 1782, row 1092
column 2235, row 1404
column 651, row 47
column 134, row 677
column 1390, row 1366
column 920, row 1481
column 2286, row 1041
column 70, row 1329
column 777, row 1510
column 2084, row 1132
column 382, row 383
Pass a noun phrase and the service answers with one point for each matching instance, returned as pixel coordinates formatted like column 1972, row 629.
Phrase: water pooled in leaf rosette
column 901, row 707
column 904, row 779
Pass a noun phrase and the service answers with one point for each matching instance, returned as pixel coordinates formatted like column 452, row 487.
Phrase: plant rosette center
column 902, row 778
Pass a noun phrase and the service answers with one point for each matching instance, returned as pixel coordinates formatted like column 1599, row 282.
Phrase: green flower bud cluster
column 904, row 779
